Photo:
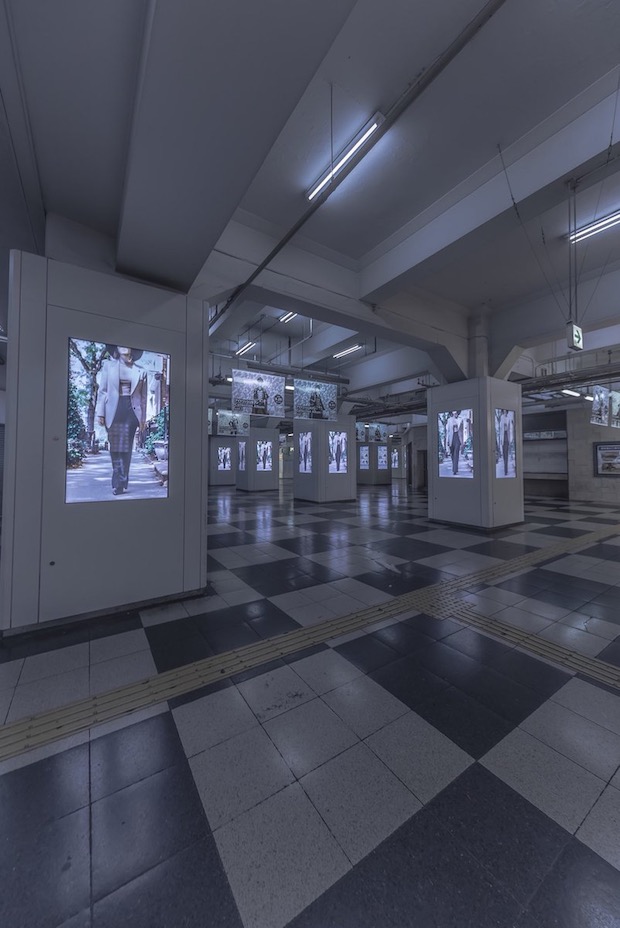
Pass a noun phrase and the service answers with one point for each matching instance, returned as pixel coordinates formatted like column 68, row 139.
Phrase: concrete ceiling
column 188, row 132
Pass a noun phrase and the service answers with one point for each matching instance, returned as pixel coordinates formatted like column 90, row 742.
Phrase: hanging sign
column 574, row 336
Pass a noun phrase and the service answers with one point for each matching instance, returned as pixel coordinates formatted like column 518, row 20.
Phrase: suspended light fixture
column 245, row 348
column 346, row 154
column 593, row 228
column 571, row 393
column 287, row 317
column 342, row 354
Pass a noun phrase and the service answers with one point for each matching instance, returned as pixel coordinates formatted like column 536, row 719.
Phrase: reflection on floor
column 418, row 773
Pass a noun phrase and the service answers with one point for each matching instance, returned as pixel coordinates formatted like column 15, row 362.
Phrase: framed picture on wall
column 606, row 459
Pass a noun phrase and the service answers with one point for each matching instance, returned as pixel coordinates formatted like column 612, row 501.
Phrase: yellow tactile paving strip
column 439, row 600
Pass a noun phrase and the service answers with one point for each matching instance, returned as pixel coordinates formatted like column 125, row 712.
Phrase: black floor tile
column 142, row 825
column 212, row 565
column 472, row 726
column 305, row 545
column 389, row 582
column 581, row 890
column 532, row 673
column 412, row 549
column 283, row 577
column 229, row 540
column 46, row 876
column 131, row 754
column 367, row 653
column 561, row 532
column 436, row 629
column 232, row 637
column 408, row 681
column 189, row 890
column 479, row 647
column 607, row 613
column 267, row 626
column 402, row 638
column 515, row 842
column 607, row 552
column 208, row 690
column 175, row 644
column 611, row 654
column 567, row 600
column 416, row 878
column 501, row 549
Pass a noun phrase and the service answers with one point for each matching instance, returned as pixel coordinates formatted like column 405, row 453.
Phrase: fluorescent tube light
column 362, row 137
column 593, row 228
column 341, row 354
column 229, row 379
column 245, row 348
column 287, row 317
column 289, row 386
column 589, row 398
column 571, row 393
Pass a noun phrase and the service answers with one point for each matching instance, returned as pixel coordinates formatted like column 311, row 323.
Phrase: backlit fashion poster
column 505, row 445
column 337, row 452
column 231, row 423
column 377, row 431
column 455, row 437
column 382, row 457
column 305, row 452
column 264, row 455
column 600, row 406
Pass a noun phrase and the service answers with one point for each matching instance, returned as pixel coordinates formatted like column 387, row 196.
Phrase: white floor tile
column 49, row 693
column 271, row 694
column 554, row 784
column 104, row 649
column 279, row 857
column 309, row 736
column 595, row 748
column 206, row 722
column 325, row 671
column 424, row 759
column 9, row 673
column 49, row 750
column 157, row 615
column 591, row 702
column 360, row 800
column 574, row 639
column 364, row 706
column 120, row 671
column 235, row 775
column 52, row 663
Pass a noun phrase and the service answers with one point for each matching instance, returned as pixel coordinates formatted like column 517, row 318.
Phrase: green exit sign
column 574, row 336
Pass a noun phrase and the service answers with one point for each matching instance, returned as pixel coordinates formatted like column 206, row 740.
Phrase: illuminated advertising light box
column 600, row 406
column 360, row 431
column 505, row 444
column 264, row 455
column 395, row 459
column 364, row 458
column 230, row 423
column 313, row 400
column 377, row 431
column 455, row 451
column 241, row 461
column 255, row 393
column 337, row 452
column 614, row 409
column 382, row 457
column 118, row 423
column 224, row 458
column 305, row 452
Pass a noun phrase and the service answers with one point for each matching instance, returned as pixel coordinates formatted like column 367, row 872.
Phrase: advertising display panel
column 241, row 460
column 395, row 459
column 337, row 452
column 364, row 458
column 209, row 421
column 382, row 457
column 312, row 400
column 600, row 406
column 230, row 423
column 224, row 458
column 257, row 393
column 606, row 459
column 505, row 447
column 455, row 452
column 360, row 431
column 305, row 452
column 377, row 431
column 264, row 455
column 614, row 409
column 118, row 422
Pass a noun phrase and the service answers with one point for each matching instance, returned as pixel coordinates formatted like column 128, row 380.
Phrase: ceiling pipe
column 409, row 96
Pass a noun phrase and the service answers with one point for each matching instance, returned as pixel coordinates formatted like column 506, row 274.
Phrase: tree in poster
column 90, row 357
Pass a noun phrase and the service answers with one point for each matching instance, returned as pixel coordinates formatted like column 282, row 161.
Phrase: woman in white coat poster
column 121, row 407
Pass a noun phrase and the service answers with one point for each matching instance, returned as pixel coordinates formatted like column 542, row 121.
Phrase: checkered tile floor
column 415, row 773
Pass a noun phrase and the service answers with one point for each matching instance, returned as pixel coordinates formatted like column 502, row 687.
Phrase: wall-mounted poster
column 224, row 458
column 360, row 431
column 505, row 445
column 600, row 406
column 231, row 423
column 606, row 459
column 382, row 457
column 209, row 421
column 337, row 452
column 264, row 455
column 395, row 459
column 305, row 452
column 377, row 431
column 241, row 458
column 118, row 423
column 455, row 435
column 313, row 400
column 364, row 458
column 258, row 394
column 614, row 409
